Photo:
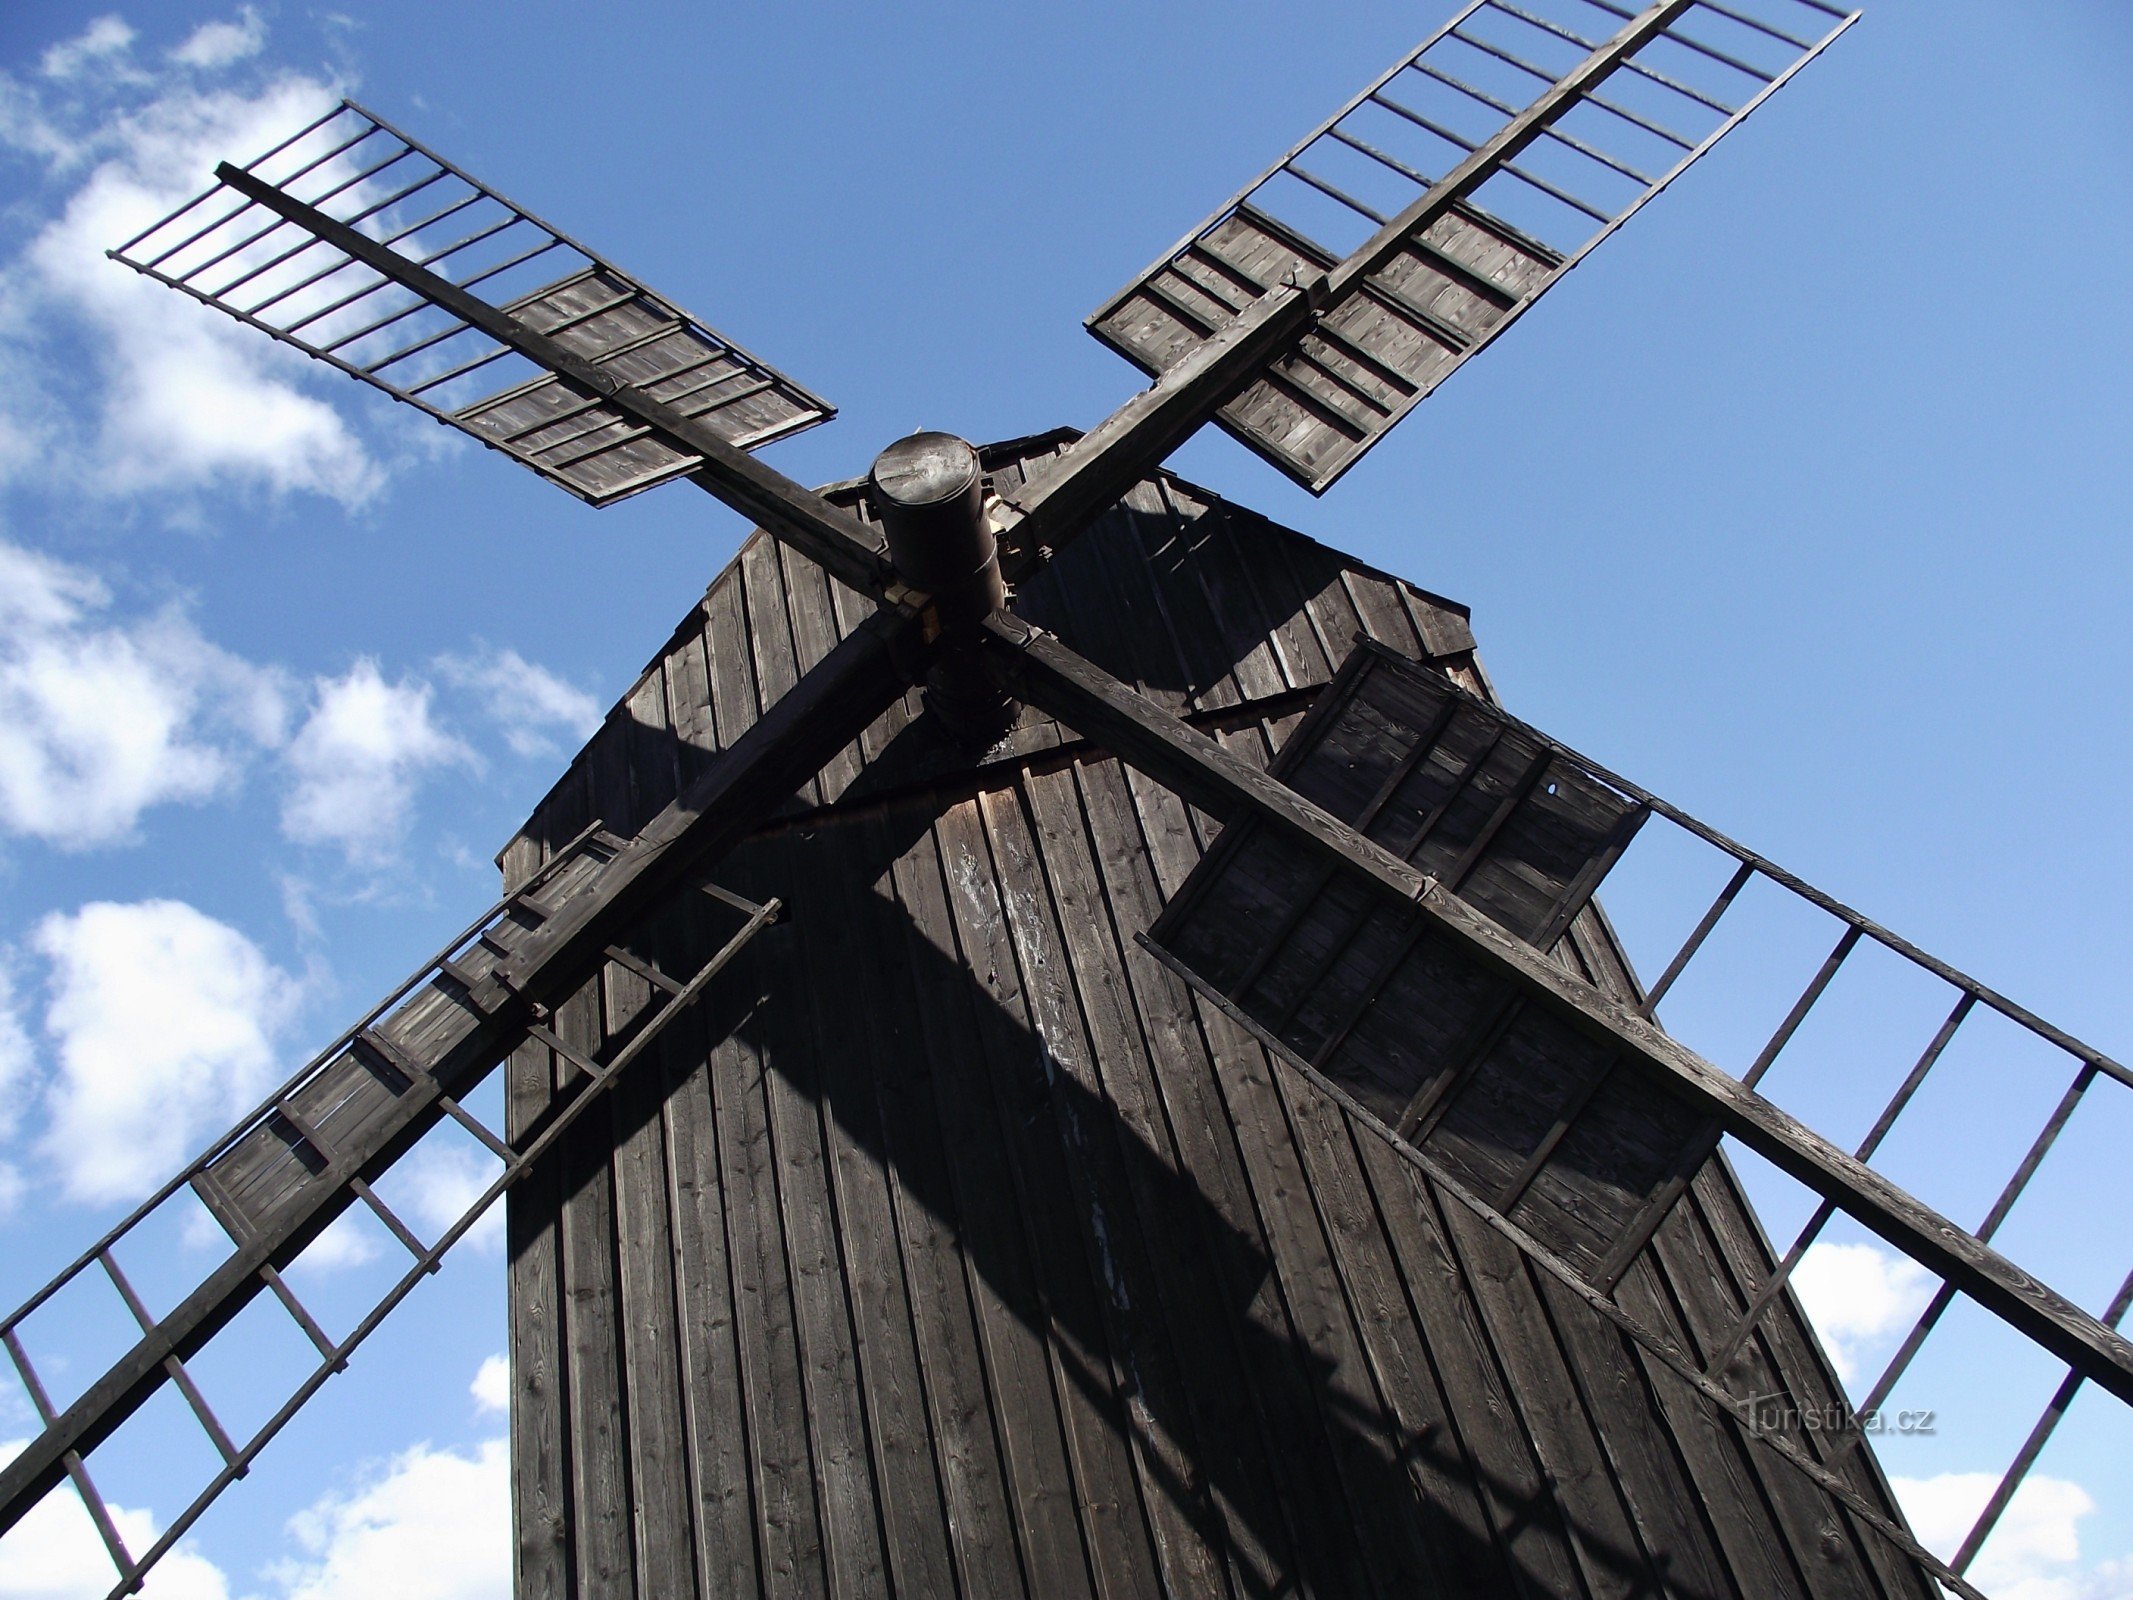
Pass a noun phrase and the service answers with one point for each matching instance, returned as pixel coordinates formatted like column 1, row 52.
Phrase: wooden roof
column 956, row 1246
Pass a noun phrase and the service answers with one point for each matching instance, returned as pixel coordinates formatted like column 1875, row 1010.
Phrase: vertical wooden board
column 651, row 1336
column 844, row 1477
column 1094, row 1415
column 1741, row 1521
column 1287, row 1370
column 1380, row 614
column 601, row 1520
column 1061, row 919
column 721, row 1474
column 1802, row 1368
column 1662, row 1488
column 770, row 635
column 1708, row 1294
column 774, row 1388
column 1258, row 544
column 1562, row 1431
column 1379, row 1557
column 828, row 876
column 852, row 608
column 1524, row 1517
column 540, row 1445
column 1317, row 574
column 898, row 1062
column 1012, row 1320
column 648, row 744
column 1211, row 1257
column 689, row 710
column 815, row 634
column 1166, row 546
column 1148, row 655
column 1448, row 1529
column 729, row 655
column 1218, row 567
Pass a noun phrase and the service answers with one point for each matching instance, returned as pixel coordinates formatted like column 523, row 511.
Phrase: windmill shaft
column 1053, row 678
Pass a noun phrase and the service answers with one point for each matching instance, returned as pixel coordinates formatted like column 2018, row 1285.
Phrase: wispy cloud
column 54, row 1553
column 214, row 45
column 2034, row 1552
column 136, row 392
column 163, row 1024
column 530, row 705
column 436, row 1523
column 1859, row 1297
column 358, row 759
column 102, row 718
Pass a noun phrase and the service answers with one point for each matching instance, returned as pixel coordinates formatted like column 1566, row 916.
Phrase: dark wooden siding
column 955, row 1246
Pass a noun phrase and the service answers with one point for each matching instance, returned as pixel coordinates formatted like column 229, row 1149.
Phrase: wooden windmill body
column 965, row 1249
column 1058, row 1041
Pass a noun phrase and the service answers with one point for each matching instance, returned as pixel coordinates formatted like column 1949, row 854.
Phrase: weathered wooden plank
column 1011, row 1317
column 828, row 879
column 815, row 633
column 1525, row 1519
column 822, row 1312
column 602, row 1528
column 1212, row 1260
column 720, row 1473
column 895, row 1060
column 1445, row 1513
column 651, row 1336
column 1095, row 1045
column 689, row 709
column 1107, row 1496
column 770, row 635
column 774, row 1386
column 1278, row 1334
column 540, row 1444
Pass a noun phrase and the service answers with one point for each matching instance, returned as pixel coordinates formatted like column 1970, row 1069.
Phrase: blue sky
column 1803, row 502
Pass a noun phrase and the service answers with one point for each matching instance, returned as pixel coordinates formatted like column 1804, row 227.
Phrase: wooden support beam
column 1038, row 668
column 785, row 509
column 1126, row 446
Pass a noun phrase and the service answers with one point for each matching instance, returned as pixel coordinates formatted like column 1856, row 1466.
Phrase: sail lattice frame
column 228, row 251
column 1447, row 196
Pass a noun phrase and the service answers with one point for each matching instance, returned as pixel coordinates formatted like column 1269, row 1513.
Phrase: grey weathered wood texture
column 962, row 1248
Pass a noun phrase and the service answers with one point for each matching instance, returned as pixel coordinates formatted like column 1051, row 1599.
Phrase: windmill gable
column 955, row 1245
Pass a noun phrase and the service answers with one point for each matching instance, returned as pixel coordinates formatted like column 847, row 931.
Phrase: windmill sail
column 231, row 249
column 589, row 920
column 309, row 1152
column 1436, row 206
column 1549, row 1131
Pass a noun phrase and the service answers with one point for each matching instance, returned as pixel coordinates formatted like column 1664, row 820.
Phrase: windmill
column 1235, row 1174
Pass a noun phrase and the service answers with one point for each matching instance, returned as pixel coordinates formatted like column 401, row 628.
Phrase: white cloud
column 2034, row 1550
column 54, row 1553
column 357, row 760
column 435, row 1526
column 345, row 1243
column 491, row 1387
column 1859, row 1296
column 16, row 1064
column 529, row 703
column 102, row 40
column 443, row 1180
column 187, row 399
column 100, row 719
column 163, row 1023
column 218, row 44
